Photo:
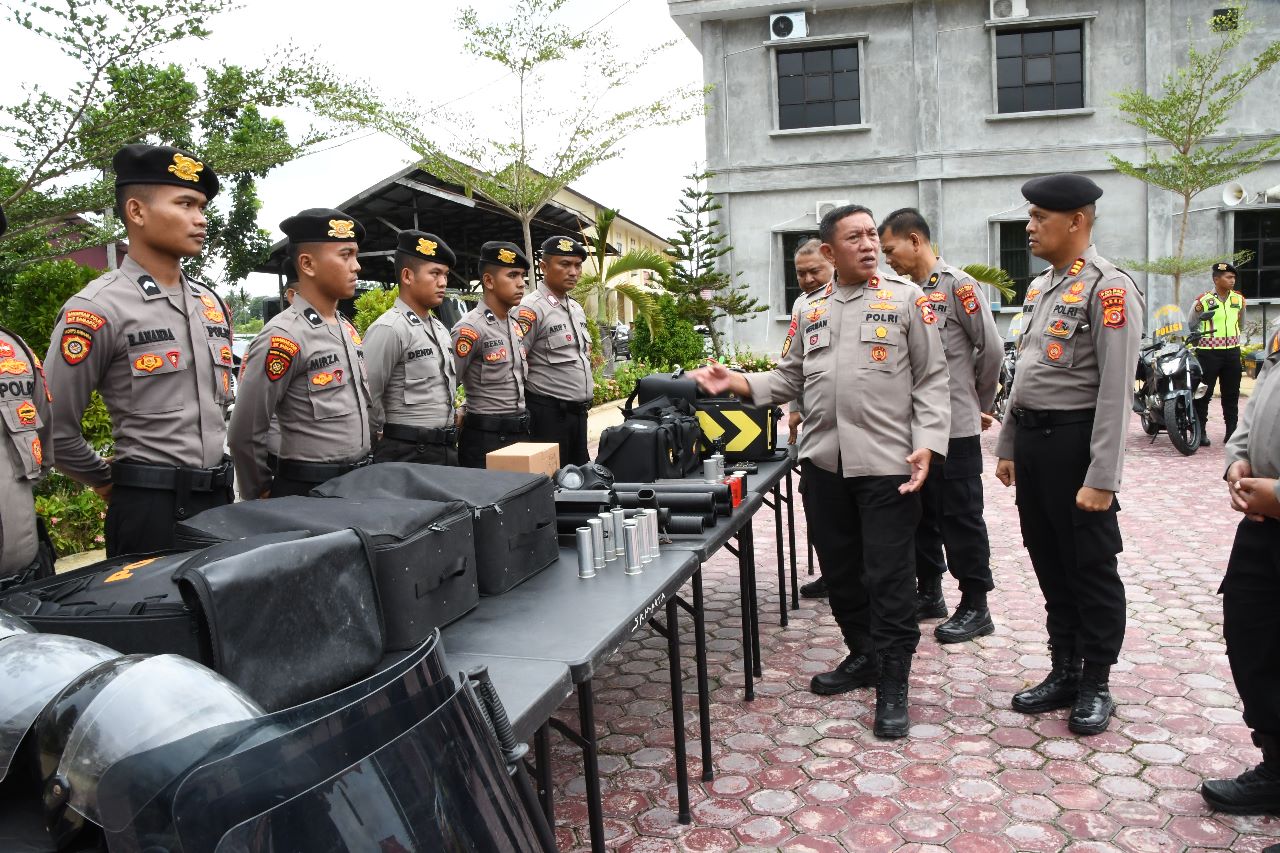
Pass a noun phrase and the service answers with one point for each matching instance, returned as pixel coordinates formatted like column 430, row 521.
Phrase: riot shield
column 1168, row 323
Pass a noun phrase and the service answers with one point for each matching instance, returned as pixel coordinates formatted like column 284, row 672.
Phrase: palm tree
column 612, row 276
column 994, row 276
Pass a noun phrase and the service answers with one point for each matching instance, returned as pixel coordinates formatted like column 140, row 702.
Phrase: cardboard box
column 526, row 457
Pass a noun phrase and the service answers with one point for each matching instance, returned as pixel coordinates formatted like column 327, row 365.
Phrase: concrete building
column 946, row 106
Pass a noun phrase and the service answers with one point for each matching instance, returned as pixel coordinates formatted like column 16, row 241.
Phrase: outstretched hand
column 716, row 379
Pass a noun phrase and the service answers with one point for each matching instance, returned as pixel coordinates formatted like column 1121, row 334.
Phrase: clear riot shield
column 1015, row 327
column 1169, row 323
column 439, row 786
column 186, row 795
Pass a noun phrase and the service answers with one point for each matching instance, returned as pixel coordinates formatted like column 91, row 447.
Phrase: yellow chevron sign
column 747, row 428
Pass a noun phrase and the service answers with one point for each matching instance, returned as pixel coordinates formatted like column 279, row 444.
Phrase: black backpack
column 659, row 440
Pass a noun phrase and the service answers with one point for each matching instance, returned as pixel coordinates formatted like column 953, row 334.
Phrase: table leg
column 700, row 658
column 677, row 711
column 591, row 764
column 542, row 754
column 748, row 547
column 791, row 542
column 782, row 561
column 744, row 598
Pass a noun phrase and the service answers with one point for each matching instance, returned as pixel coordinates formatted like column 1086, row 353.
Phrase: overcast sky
column 412, row 50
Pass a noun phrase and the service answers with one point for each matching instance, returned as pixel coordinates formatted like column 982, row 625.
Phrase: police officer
column 869, row 359
column 1070, row 407
column 27, row 456
column 412, row 378
column 1251, row 592
column 952, row 495
column 557, row 349
column 488, row 354
column 813, row 273
column 157, row 346
column 1219, row 350
column 307, row 369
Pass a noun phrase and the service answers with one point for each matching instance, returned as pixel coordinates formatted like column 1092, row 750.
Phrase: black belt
column 564, row 405
column 313, row 472
column 172, row 478
column 1050, row 418
column 497, row 423
column 448, row 436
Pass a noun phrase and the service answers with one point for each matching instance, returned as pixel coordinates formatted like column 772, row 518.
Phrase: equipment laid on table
column 286, row 617
column 739, row 431
column 424, row 551
column 515, row 514
column 660, row 439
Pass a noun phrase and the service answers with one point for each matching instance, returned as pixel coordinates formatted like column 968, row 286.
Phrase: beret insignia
column 186, row 168
column 343, row 229
column 565, row 245
column 426, row 247
column 506, row 256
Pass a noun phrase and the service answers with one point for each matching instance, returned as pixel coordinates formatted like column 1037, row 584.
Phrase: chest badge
column 1054, row 351
column 174, row 357
column 879, row 353
column 13, row 367
column 815, row 315
column 1072, row 295
column 882, row 332
column 26, row 414
column 148, row 363
column 1059, row 329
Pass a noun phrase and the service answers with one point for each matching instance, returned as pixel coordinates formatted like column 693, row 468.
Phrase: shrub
column 677, row 344
column 623, row 381
column 748, row 362
column 31, row 300
column 373, row 304
column 75, row 515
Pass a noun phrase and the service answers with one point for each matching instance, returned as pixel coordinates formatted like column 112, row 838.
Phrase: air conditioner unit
column 1002, row 9
column 825, row 207
column 787, row 25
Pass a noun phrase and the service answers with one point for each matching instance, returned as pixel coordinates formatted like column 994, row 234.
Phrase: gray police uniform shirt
column 870, row 362
column 28, row 453
column 310, row 375
column 489, row 359
column 801, row 304
column 1257, row 437
column 412, row 378
column 557, row 346
column 1080, row 335
column 161, row 359
column 973, row 345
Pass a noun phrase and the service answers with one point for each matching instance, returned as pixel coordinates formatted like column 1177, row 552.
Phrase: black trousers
column 474, row 444
column 399, row 450
column 141, row 521
column 808, row 515
column 1072, row 551
column 951, row 518
column 1222, row 367
column 556, row 425
column 864, row 532
column 1250, row 597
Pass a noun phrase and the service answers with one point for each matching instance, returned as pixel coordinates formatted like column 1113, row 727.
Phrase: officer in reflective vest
column 1219, row 349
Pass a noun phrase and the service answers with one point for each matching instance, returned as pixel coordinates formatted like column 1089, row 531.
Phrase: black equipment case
column 424, row 551
column 660, row 439
column 286, row 617
column 741, row 432
column 514, row 514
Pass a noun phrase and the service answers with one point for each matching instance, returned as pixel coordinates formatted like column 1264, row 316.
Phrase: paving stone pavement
column 799, row 772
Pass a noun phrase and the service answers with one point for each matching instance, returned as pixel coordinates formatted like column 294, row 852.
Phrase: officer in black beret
column 412, row 377
column 157, row 346
column 1218, row 349
column 1064, row 445
column 557, row 345
column 489, row 358
column 306, row 369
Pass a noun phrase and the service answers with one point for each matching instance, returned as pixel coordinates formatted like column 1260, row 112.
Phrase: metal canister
column 606, row 533
column 596, row 526
column 654, row 547
column 586, row 554
column 631, row 543
column 619, row 528
column 719, row 460
column 642, row 536
column 710, row 470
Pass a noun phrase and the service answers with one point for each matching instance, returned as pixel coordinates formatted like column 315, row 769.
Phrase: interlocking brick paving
column 800, row 772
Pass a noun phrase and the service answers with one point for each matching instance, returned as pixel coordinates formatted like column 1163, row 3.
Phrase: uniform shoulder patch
column 968, row 298
column 1112, row 299
column 280, row 355
column 81, row 317
column 75, row 345
column 791, row 333
column 926, row 312
column 526, row 317
column 466, row 339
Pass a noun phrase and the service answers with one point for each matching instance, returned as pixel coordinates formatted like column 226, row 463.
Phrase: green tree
column 1196, row 101
column 583, row 126
column 678, row 344
column 372, row 304
column 606, row 280
column 704, row 291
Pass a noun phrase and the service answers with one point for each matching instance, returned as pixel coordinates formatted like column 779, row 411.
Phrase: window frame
column 855, row 40
column 995, row 225
column 1044, row 22
column 1252, row 269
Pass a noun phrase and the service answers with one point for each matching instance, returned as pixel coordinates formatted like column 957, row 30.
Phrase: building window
column 1016, row 259
column 1040, row 69
column 1259, row 232
column 791, row 287
column 819, row 87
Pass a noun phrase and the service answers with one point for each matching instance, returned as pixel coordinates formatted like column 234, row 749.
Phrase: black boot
column 1059, row 688
column 1255, row 791
column 1204, row 439
column 929, row 601
column 814, row 589
column 891, row 695
column 857, row 670
column 971, row 619
column 1092, row 710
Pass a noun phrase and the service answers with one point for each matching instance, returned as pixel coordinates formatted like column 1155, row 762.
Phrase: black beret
column 1218, row 269
column 163, row 164
column 565, row 247
column 424, row 246
column 322, row 225
column 503, row 254
column 4, row 223
column 1061, row 192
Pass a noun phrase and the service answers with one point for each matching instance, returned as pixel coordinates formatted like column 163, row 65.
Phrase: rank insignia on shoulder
column 873, row 282
column 933, row 279
column 14, row 367
column 830, row 288
column 26, row 413
column 1112, row 300
column 148, row 285
column 75, row 346
column 1076, row 266
column 80, row 317
column 313, row 317
column 413, row 318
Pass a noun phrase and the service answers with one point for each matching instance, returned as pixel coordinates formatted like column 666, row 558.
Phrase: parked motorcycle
column 1169, row 380
column 1007, row 367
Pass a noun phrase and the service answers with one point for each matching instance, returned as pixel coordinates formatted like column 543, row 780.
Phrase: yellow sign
column 748, row 429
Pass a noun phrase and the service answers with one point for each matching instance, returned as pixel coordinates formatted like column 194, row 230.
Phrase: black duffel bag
column 514, row 513
column 287, row 617
column 673, row 386
column 659, row 440
column 424, row 551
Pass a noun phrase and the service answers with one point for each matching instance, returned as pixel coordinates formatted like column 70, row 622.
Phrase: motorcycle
column 1001, row 405
column 1170, row 380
